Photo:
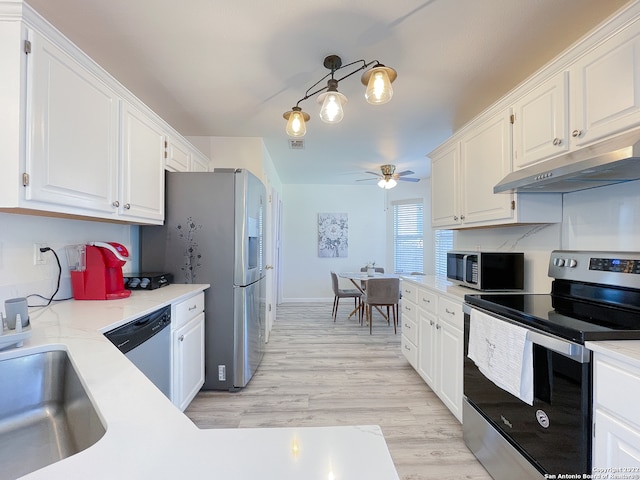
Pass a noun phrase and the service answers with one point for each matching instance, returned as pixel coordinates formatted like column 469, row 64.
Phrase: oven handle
column 574, row 351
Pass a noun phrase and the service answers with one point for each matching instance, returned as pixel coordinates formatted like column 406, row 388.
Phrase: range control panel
column 607, row 268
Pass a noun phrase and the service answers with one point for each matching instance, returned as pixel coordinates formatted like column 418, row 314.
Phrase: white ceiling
column 232, row 68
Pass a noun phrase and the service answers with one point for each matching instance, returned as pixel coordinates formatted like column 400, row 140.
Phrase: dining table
column 359, row 280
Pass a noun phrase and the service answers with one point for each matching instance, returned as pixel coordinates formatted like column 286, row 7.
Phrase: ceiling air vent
column 296, row 144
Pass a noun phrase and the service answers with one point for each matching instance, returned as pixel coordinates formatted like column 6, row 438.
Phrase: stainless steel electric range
column 594, row 296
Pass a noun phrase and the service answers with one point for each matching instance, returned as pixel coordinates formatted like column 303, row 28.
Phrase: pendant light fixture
column 379, row 91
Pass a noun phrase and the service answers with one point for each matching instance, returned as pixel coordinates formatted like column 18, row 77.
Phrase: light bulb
column 331, row 111
column 296, row 122
column 379, row 88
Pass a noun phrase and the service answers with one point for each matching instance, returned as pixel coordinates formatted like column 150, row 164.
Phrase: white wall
column 20, row 277
column 305, row 275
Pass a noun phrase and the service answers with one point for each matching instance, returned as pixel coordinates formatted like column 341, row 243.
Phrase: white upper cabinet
column 540, row 123
column 178, row 156
column 76, row 142
column 182, row 157
column 142, row 172
column 485, row 157
column 72, row 132
column 605, row 88
column 445, row 191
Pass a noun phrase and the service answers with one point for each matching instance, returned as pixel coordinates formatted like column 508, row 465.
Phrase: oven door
column 553, row 435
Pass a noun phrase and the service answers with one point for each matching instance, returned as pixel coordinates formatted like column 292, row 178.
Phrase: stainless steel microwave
column 486, row 270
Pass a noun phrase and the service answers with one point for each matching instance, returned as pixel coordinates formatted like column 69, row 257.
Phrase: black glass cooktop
column 574, row 319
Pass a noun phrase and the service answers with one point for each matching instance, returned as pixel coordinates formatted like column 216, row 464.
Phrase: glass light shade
column 387, row 184
column 379, row 88
column 296, row 126
column 332, row 102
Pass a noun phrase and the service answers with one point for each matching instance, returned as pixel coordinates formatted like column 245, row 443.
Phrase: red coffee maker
column 96, row 270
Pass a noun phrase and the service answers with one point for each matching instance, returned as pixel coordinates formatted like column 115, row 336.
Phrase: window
column 408, row 236
column 444, row 243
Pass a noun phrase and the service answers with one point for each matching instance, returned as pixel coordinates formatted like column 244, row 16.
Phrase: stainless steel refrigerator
column 213, row 234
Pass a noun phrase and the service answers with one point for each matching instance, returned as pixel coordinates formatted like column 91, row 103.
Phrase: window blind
column 444, row 243
column 408, row 236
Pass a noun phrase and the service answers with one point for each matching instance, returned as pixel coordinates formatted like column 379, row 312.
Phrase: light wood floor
column 317, row 373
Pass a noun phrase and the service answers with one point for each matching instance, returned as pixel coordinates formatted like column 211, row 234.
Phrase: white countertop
column 148, row 438
column 627, row 351
column 441, row 284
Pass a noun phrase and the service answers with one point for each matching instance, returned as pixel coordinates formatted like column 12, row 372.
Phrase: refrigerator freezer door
column 249, row 327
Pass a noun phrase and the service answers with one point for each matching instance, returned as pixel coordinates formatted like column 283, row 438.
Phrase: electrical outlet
column 39, row 258
column 222, row 373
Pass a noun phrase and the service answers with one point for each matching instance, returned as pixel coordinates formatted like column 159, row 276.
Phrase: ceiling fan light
column 387, row 183
column 378, row 81
column 296, row 122
column 331, row 110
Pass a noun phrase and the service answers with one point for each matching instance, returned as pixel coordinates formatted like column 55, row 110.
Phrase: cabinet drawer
column 409, row 291
column 451, row 312
column 410, row 351
column 188, row 309
column 410, row 329
column 428, row 301
column 615, row 384
column 408, row 310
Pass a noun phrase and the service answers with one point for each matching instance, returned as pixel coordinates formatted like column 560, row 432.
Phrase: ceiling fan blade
column 366, row 179
column 406, row 172
column 410, row 179
column 373, row 173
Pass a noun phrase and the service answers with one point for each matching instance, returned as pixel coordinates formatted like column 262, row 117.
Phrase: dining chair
column 343, row 293
column 382, row 292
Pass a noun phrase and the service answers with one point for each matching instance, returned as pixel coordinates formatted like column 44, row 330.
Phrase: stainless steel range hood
column 614, row 160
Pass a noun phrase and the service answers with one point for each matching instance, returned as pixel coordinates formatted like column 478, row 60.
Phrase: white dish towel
column 503, row 354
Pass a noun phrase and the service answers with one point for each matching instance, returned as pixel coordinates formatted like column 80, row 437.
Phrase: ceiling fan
column 388, row 178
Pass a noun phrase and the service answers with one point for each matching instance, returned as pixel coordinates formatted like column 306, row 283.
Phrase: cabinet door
column 178, row 156
column 485, row 158
column 541, row 128
column 142, row 176
column 188, row 362
column 427, row 348
column 450, row 367
column 72, row 129
column 616, row 444
column 605, row 88
column 199, row 163
column 445, row 178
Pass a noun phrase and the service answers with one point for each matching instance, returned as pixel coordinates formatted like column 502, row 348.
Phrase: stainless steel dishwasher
column 146, row 341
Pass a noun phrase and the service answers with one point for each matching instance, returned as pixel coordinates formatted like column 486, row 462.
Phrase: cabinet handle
column 431, row 322
column 181, row 338
column 557, row 141
column 455, row 217
column 407, row 326
column 576, row 133
column 425, row 300
column 438, row 326
column 407, row 348
column 407, row 307
column 127, row 206
column 116, row 203
column 450, row 312
column 461, row 217
column 193, row 308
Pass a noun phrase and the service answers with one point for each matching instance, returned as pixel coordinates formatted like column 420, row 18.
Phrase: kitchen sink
column 45, row 413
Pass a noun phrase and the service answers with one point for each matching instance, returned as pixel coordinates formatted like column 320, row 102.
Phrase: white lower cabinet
column 187, row 350
column 438, row 342
column 616, row 418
